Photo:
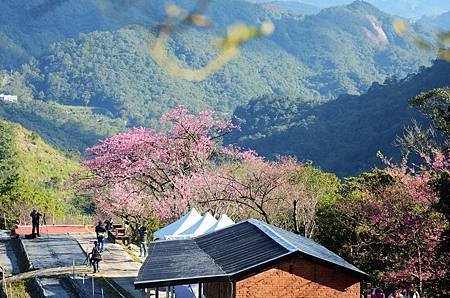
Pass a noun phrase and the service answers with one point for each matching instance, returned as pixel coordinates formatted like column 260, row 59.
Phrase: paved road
column 54, row 251
column 52, row 257
column 8, row 259
column 57, row 287
column 49, row 251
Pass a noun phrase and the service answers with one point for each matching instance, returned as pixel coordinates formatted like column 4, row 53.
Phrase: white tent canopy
column 179, row 226
column 223, row 222
column 192, row 224
column 201, row 226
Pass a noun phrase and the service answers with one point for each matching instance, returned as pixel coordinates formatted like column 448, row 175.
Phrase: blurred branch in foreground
column 176, row 19
column 440, row 44
column 228, row 46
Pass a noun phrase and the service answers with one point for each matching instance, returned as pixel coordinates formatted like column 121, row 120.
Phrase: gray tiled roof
column 305, row 246
column 177, row 260
column 227, row 253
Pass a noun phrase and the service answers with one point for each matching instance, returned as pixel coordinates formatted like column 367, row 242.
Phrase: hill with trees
column 413, row 9
column 296, row 7
column 106, row 64
column 34, row 174
column 341, row 136
column 441, row 21
column 70, row 128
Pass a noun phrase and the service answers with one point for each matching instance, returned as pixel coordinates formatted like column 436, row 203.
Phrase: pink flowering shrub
column 398, row 230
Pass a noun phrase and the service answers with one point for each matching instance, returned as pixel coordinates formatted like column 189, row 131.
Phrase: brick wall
column 297, row 277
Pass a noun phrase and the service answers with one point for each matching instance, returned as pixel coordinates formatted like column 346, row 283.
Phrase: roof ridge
column 267, row 229
column 209, row 256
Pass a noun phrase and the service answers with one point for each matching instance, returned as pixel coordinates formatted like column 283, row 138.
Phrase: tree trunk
column 294, row 218
column 420, row 269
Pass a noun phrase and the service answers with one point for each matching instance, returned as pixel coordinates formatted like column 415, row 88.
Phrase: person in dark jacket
column 109, row 224
column 143, row 241
column 100, row 230
column 95, row 256
column 35, row 218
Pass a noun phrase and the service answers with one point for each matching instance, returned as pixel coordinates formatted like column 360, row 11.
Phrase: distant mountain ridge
column 315, row 58
column 296, row 7
column 414, row 9
column 341, row 136
column 440, row 22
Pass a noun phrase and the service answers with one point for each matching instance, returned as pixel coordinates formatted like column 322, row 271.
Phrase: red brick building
column 250, row 259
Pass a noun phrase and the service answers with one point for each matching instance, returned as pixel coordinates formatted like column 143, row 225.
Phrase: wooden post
column 4, row 282
column 4, row 217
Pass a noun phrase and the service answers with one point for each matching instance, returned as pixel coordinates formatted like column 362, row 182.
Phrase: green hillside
column 70, row 128
column 33, row 174
column 342, row 136
column 313, row 58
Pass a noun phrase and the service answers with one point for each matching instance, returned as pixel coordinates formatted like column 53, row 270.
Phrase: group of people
column 101, row 230
column 410, row 292
column 95, row 256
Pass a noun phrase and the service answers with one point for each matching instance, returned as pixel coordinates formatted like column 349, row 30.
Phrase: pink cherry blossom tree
column 397, row 229
column 273, row 191
column 133, row 174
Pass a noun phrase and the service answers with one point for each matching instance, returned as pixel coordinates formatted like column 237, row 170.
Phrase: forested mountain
column 32, row 174
column 342, row 136
column 405, row 8
column 66, row 127
column 296, row 7
column 314, row 58
column 440, row 22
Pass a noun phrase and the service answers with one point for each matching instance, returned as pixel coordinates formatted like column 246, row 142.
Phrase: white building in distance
column 7, row 97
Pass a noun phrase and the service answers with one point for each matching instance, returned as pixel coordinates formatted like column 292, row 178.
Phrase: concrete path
column 54, row 251
column 8, row 260
column 116, row 264
column 54, row 287
column 50, row 251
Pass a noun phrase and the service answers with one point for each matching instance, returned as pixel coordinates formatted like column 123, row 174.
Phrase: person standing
column 109, row 224
column 100, row 230
column 412, row 292
column 143, row 241
column 95, row 256
column 35, row 219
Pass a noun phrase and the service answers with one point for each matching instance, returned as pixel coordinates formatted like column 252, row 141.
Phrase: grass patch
column 19, row 289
